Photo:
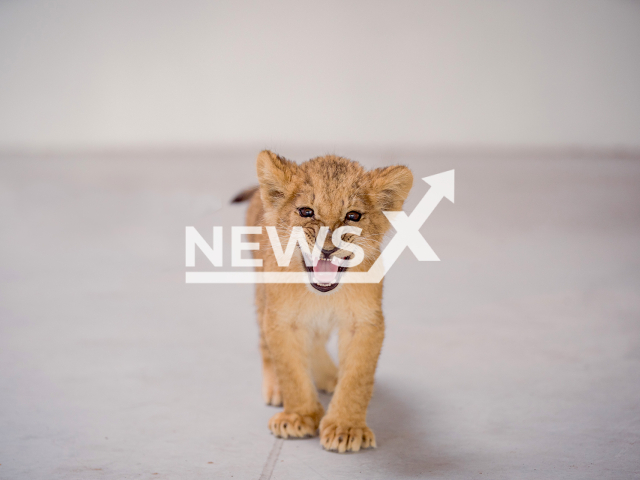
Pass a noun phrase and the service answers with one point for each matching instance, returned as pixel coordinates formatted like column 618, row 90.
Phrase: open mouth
column 325, row 274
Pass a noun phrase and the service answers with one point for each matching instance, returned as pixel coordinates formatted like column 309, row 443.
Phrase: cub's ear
column 274, row 176
column 390, row 186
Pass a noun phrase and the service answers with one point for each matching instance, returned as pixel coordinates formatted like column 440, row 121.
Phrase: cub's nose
column 327, row 252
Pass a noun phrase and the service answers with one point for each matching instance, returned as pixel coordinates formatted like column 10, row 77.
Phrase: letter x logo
column 408, row 227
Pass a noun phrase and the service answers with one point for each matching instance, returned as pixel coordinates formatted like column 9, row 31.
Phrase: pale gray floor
column 517, row 356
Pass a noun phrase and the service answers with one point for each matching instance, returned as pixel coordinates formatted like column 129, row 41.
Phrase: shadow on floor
column 411, row 439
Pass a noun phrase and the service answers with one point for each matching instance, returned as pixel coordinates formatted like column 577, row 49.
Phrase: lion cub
column 296, row 318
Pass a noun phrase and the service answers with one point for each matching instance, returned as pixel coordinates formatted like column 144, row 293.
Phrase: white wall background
column 121, row 74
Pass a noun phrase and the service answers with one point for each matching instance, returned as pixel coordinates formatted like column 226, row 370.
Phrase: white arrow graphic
column 407, row 235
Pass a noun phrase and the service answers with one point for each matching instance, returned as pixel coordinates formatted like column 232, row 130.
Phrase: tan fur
column 296, row 320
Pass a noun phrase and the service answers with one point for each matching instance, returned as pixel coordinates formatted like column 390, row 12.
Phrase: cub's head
column 330, row 192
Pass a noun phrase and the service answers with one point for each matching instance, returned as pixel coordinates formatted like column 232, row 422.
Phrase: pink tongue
column 325, row 271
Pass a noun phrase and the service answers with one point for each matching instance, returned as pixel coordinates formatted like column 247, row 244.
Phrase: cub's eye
column 305, row 212
column 353, row 216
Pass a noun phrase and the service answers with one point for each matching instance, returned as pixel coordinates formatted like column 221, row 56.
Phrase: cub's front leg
column 289, row 344
column 344, row 427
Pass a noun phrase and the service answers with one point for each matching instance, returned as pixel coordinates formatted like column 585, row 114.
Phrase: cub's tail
column 245, row 195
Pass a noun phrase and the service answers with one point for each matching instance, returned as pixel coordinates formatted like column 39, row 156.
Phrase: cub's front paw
column 345, row 436
column 287, row 425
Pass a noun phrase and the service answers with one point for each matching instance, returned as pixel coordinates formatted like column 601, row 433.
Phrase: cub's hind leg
column 270, row 386
column 324, row 371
